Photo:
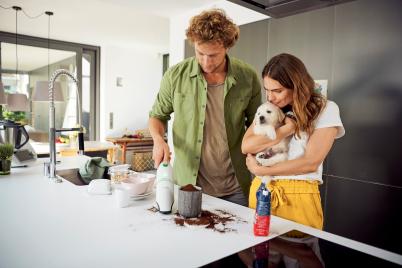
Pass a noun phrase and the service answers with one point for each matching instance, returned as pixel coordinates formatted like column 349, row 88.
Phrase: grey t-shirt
column 216, row 174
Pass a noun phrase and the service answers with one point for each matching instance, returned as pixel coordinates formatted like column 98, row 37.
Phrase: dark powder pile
column 189, row 188
column 208, row 219
column 231, row 215
column 214, row 221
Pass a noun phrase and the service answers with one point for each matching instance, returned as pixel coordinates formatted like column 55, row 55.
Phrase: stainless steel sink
column 72, row 175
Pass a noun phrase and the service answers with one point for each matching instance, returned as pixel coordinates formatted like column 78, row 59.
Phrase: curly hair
column 213, row 26
column 291, row 73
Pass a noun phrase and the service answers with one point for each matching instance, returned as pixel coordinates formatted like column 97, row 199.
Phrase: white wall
column 141, row 71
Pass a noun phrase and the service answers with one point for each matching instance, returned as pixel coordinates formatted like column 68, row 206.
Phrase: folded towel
column 94, row 168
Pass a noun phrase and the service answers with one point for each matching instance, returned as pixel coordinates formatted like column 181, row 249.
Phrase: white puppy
column 267, row 118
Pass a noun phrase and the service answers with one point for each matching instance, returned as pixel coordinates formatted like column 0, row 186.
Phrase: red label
column 261, row 225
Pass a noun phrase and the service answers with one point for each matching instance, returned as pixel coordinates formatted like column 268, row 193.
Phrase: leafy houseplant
column 14, row 116
column 6, row 154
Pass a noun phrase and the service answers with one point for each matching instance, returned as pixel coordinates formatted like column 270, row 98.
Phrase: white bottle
column 164, row 188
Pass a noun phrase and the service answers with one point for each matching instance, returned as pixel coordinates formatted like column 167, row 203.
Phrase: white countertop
column 45, row 224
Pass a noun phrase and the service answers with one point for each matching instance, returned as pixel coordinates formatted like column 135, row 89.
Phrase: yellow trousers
column 295, row 200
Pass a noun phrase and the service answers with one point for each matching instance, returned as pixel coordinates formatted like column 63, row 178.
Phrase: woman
column 316, row 124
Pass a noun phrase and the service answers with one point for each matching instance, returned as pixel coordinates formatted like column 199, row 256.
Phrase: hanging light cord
column 49, row 13
column 16, row 44
column 17, row 8
column 3, row 7
column 33, row 17
column 26, row 14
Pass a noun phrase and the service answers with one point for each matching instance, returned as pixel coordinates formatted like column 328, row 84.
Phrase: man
column 213, row 97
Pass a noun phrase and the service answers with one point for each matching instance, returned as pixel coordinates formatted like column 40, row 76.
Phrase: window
column 20, row 74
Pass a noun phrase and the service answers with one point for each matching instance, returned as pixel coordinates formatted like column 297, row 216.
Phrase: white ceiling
column 163, row 8
column 121, row 23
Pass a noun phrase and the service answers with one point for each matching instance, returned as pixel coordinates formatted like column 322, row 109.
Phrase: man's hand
column 160, row 152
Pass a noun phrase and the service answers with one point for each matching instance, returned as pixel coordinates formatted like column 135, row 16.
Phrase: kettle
column 164, row 188
column 13, row 133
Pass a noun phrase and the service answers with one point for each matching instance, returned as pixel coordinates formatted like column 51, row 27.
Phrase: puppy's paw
column 263, row 158
column 260, row 160
column 270, row 132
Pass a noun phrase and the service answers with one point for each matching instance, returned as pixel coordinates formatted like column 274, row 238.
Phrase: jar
column 119, row 173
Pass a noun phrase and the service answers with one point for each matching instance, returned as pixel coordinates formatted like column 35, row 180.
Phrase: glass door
column 89, row 96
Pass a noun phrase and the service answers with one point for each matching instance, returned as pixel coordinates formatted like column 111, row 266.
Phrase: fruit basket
column 62, row 142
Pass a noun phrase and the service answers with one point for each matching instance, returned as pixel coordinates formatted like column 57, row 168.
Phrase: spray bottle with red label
column 262, row 216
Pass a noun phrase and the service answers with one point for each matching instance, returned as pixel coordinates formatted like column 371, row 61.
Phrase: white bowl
column 151, row 177
column 139, row 183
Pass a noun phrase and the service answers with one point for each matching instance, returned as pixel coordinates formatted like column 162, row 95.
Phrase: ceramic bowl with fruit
column 62, row 142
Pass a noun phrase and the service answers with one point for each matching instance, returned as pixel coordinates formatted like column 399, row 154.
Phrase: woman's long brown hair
column 291, row 73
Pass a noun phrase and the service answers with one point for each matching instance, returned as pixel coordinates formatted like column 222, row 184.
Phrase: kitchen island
column 47, row 224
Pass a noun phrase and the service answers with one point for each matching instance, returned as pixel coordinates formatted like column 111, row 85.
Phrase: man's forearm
column 156, row 128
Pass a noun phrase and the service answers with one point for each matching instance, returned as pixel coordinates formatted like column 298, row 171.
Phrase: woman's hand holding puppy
column 253, row 165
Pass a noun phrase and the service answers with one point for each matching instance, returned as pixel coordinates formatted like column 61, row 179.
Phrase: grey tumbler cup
column 189, row 201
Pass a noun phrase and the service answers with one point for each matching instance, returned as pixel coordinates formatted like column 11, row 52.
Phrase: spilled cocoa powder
column 189, row 188
column 210, row 220
column 153, row 209
column 231, row 215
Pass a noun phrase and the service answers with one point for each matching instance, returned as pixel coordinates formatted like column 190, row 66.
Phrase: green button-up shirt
column 184, row 91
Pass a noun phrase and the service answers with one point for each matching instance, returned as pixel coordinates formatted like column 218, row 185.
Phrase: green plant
column 6, row 151
column 14, row 116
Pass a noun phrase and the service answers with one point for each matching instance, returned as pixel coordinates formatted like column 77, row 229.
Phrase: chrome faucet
column 50, row 168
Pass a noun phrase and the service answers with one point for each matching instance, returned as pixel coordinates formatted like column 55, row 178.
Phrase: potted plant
column 15, row 116
column 6, row 154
